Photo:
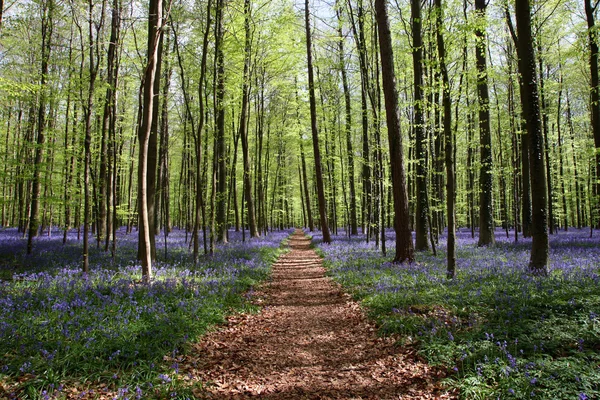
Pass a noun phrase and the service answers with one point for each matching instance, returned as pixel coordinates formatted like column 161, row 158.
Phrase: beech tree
column 404, row 243
column 315, row 130
column 448, row 142
column 486, row 188
column 422, row 207
column 531, row 111
column 155, row 26
column 47, row 28
column 243, row 123
column 590, row 13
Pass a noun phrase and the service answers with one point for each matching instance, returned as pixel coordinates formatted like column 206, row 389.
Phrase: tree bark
column 243, row 124
column 108, row 127
column 590, row 11
column 314, row 130
column 154, row 33
column 348, row 130
column 404, row 243
column 531, row 110
column 221, row 162
column 560, row 140
column 359, row 37
column 448, row 146
column 93, row 71
column 422, row 209
column 47, row 30
column 486, row 182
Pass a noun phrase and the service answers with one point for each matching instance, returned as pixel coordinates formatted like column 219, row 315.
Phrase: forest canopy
column 238, row 131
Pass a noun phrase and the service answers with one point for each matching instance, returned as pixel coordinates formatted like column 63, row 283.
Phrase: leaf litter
column 310, row 341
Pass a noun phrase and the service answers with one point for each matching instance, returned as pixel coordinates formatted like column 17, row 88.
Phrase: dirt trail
column 311, row 341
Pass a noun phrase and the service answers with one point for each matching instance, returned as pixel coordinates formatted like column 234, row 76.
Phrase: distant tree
column 404, row 243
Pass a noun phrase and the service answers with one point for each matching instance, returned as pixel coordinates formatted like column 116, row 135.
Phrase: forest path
column 310, row 341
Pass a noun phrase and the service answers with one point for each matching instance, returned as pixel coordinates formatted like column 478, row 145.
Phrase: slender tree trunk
column 93, row 71
column 359, row 38
column 515, row 146
column 162, row 178
column 422, row 208
column 153, row 142
column 69, row 152
column 578, row 208
column 544, row 116
column 154, row 32
column 47, row 30
column 531, row 110
column 590, row 11
column 379, row 149
column 348, row 130
column 314, row 129
column 448, row 145
column 243, row 124
column 108, row 129
column 486, row 183
column 404, row 243
column 301, row 187
column 221, row 162
column 560, row 139
column 311, row 225
column 199, row 200
column 525, row 175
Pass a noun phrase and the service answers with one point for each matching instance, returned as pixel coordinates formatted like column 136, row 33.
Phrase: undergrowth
column 499, row 331
column 110, row 332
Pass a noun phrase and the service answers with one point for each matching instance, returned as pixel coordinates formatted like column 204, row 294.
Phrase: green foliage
column 110, row 330
column 500, row 332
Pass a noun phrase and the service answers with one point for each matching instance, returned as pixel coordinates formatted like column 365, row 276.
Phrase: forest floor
column 310, row 341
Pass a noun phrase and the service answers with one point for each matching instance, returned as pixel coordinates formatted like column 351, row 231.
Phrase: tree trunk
column 314, row 129
column 154, row 33
column 161, row 196
column 578, row 218
column 93, row 70
column 404, row 243
column 422, row 208
column 221, row 162
column 153, row 144
column 47, row 30
column 544, row 112
column 359, row 37
column 531, row 110
column 448, row 146
column 108, row 128
column 594, row 93
column 486, row 183
column 244, row 127
column 560, row 140
column 348, row 130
